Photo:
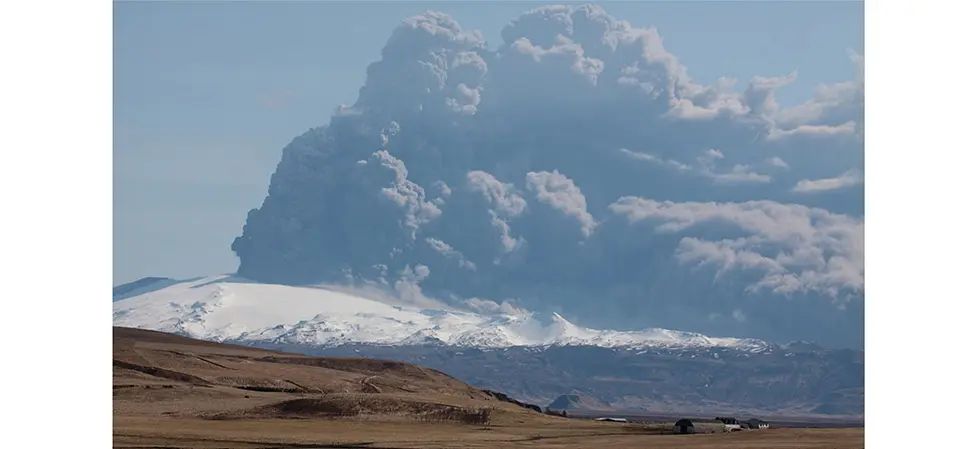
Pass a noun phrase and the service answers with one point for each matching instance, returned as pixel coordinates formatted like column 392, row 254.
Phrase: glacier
column 231, row 308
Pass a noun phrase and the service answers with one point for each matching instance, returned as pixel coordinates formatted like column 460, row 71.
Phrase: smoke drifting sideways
column 578, row 169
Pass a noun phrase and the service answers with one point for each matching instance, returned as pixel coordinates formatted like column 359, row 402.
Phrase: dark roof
column 755, row 423
column 684, row 423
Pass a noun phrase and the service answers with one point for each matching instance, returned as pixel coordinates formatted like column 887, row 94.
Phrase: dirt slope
column 156, row 373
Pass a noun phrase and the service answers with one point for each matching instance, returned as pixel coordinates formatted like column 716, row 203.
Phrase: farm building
column 611, row 419
column 756, row 424
column 730, row 424
column 684, row 426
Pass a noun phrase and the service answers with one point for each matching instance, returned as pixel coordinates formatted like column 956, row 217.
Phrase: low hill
column 155, row 373
column 578, row 402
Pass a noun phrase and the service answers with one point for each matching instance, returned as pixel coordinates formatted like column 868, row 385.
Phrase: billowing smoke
column 577, row 168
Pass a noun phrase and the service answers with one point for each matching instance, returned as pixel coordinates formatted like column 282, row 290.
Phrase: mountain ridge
column 225, row 307
column 651, row 371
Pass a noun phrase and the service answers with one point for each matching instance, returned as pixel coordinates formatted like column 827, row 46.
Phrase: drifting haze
column 577, row 168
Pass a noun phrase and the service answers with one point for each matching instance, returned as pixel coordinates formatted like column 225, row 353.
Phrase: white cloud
column 791, row 248
column 505, row 203
column 832, row 104
column 696, row 102
column 777, row 162
column 407, row 287
column 759, row 97
column 503, row 198
column 561, row 193
column 845, row 129
column 451, row 253
column 848, row 179
column 738, row 173
column 488, row 306
column 657, row 160
column 710, row 156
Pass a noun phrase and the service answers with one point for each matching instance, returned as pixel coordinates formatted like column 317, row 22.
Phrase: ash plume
column 576, row 167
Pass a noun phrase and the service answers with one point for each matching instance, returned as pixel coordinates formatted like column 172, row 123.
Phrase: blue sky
column 207, row 95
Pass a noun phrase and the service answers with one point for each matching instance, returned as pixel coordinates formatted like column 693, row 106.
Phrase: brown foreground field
column 175, row 392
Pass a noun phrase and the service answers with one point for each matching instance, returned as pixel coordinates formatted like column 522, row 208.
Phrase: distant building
column 756, row 424
column 684, row 426
column 730, row 424
column 611, row 419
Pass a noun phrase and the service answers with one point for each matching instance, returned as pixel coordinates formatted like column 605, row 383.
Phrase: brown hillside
column 157, row 373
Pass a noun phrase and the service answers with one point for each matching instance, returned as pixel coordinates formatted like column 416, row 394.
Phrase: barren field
column 175, row 392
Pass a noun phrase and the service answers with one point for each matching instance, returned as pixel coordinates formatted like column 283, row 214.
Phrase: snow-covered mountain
column 228, row 308
column 531, row 356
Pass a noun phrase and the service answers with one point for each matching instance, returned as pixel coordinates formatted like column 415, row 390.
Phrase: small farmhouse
column 684, row 426
column 756, row 424
column 730, row 424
